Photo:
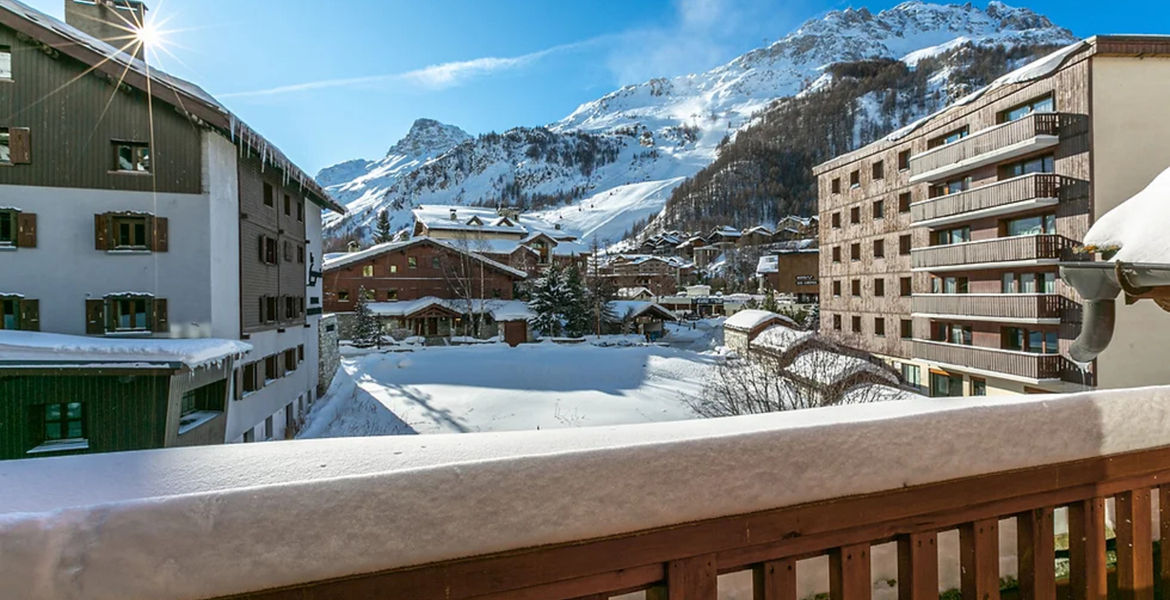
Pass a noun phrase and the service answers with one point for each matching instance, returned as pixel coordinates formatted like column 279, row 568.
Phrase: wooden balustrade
column 1002, row 306
column 987, row 141
column 683, row 562
column 1023, row 247
column 995, row 195
column 1008, row 362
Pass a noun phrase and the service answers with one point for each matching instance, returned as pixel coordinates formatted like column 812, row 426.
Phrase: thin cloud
column 435, row 77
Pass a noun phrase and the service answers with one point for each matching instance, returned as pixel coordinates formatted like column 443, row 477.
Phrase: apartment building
column 504, row 235
column 136, row 207
column 941, row 244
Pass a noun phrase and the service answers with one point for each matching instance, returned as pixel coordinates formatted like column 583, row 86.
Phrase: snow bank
column 1137, row 227
column 27, row 346
column 201, row 522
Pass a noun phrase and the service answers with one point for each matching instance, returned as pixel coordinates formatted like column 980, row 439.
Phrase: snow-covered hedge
column 203, row 522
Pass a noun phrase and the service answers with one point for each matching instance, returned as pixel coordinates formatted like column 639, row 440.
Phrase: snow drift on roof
column 780, row 338
column 768, row 264
column 748, row 320
column 30, row 346
column 1137, row 227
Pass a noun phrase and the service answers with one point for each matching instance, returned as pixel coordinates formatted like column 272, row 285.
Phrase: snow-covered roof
column 1136, row 228
column 73, row 42
column 404, row 308
column 825, row 367
column 439, row 217
column 500, row 310
column 636, row 308
column 290, row 512
column 349, row 258
column 808, row 245
column 637, row 259
column 780, row 338
column 633, row 292
column 22, row 348
column 768, row 264
column 747, row 320
column 760, row 229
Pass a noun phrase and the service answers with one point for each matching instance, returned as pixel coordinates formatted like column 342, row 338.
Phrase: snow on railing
column 206, row 522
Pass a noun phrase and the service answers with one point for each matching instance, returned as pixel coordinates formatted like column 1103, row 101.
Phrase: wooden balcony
column 1000, row 198
column 1018, row 308
column 985, row 254
column 1037, row 367
column 994, row 144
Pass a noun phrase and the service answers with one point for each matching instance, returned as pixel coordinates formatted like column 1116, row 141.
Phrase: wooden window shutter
column 30, row 315
column 159, row 236
column 161, row 324
column 95, row 317
column 26, row 230
column 111, row 316
column 20, row 145
column 262, row 257
column 101, row 231
column 238, row 382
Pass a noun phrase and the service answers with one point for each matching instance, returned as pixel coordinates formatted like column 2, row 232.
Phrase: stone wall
column 329, row 353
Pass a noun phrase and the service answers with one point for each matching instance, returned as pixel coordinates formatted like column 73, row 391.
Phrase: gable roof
column 636, row 308
column 353, row 257
column 186, row 97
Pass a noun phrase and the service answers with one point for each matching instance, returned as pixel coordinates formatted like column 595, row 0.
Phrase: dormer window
column 475, row 221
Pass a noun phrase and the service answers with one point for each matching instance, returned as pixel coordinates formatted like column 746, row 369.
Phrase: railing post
column 774, row 580
column 918, row 566
column 1135, row 545
column 849, row 573
column 1036, row 549
column 979, row 560
column 1086, row 549
column 692, row 578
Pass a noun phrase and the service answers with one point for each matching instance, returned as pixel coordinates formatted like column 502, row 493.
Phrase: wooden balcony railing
column 1024, row 247
column 1000, row 194
column 1008, row 362
column 987, row 141
column 998, row 306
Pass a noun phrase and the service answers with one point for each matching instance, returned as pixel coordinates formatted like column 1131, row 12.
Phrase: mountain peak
column 428, row 136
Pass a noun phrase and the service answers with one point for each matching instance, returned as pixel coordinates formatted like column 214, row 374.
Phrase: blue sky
column 345, row 79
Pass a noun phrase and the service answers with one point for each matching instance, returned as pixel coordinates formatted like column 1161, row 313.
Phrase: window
column 1034, row 225
column 130, row 313
column 879, row 287
column 268, row 431
column 290, row 360
column 64, row 421
column 912, row 374
column 879, row 209
column 907, row 329
column 905, row 286
column 187, row 404
column 855, row 287
column 268, row 314
column 943, row 385
column 1048, row 285
column 856, row 325
column 978, row 386
column 953, row 186
column 5, row 145
column 10, row 313
column 5, row 62
column 268, row 253
column 855, row 252
column 836, row 185
column 287, row 205
column 1028, row 340
column 132, row 157
column 7, row 228
column 879, row 169
column 836, row 220
column 301, row 353
column 370, row 295
column 836, row 322
column 269, row 197
column 411, row 262
column 435, row 263
column 271, row 368
column 949, row 138
column 249, row 436
column 1039, row 164
column 343, row 295
column 855, row 215
column 904, row 245
column 290, row 307
column 836, row 254
column 879, row 248
column 300, row 255
column 393, row 268
column 837, row 288
column 130, row 232
column 879, row 326
column 855, row 179
column 1041, row 104
column 904, row 160
column 952, row 334
column 391, row 295
column 251, row 384
column 904, row 202
column 958, row 235
column 368, row 271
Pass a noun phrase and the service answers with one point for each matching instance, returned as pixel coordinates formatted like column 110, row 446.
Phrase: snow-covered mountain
column 657, row 133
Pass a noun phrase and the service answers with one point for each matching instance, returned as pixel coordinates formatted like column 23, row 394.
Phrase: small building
column 741, row 328
column 644, row 318
column 756, row 236
column 791, row 269
column 635, row 293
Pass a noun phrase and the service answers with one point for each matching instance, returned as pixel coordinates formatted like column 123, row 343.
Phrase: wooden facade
column 797, row 274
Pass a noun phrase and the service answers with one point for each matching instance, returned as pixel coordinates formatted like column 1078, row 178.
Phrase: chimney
column 111, row 21
column 453, row 215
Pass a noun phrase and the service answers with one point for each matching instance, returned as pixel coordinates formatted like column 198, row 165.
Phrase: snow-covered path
column 498, row 388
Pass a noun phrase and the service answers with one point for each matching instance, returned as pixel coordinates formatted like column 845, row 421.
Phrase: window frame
column 855, row 324
column 905, row 199
column 6, row 57
column 6, row 144
column 135, row 149
column 879, row 327
column 13, row 216
column 879, row 209
column 133, row 221
column 878, row 170
column 113, row 306
column 904, row 160
column 855, row 179
column 1005, row 116
column 879, row 248
column 63, row 423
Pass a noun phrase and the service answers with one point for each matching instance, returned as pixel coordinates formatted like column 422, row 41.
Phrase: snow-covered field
column 498, row 388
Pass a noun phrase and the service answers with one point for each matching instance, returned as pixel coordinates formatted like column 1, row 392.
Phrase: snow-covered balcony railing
column 992, row 145
column 1023, row 250
column 1027, row 366
column 1022, row 193
column 853, row 500
column 1016, row 308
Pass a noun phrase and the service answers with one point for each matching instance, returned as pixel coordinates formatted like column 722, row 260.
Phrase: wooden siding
column 985, row 141
column 51, row 95
column 1020, row 364
column 1024, row 247
column 119, row 415
column 794, row 268
column 1004, row 306
column 995, row 195
column 287, row 277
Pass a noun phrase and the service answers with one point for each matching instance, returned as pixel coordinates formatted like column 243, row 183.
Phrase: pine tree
column 812, row 318
column 547, row 301
column 576, row 310
column 367, row 331
column 770, row 304
column 382, row 232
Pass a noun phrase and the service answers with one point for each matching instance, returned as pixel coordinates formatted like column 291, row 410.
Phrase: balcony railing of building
column 994, row 144
column 1027, row 365
column 680, row 510
column 1030, row 308
column 986, row 253
column 1003, row 197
